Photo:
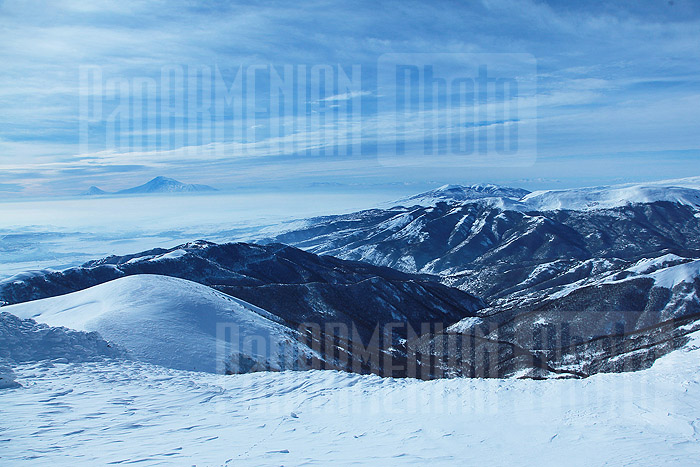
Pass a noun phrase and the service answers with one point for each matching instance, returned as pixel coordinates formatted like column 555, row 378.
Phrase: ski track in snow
column 124, row 412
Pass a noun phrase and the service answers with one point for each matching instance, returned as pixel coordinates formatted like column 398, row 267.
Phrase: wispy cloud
column 611, row 78
column 346, row 96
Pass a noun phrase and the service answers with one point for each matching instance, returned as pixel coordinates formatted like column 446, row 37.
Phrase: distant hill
column 156, row 185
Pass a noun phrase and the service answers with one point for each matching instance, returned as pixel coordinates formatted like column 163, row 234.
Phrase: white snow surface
column 683, row 191
column 465, row 324
column 126, row 412
column 172, row 322
column 25, row 340
column 667, row 271
column 451, row 193
column 647, row 265
column 674, row 275
column 608, row 197
column 172, row 255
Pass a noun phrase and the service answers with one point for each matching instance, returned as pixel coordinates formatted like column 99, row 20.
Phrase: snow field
column 125, row 412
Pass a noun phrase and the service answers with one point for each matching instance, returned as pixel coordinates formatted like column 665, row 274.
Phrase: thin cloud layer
column 612, row 81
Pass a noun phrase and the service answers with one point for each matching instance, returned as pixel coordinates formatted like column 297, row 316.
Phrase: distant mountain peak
column 162, row 184
column 448, row 187
column 158, row 184
column 93, row 191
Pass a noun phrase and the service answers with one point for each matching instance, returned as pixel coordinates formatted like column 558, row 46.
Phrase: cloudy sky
column 277, row 95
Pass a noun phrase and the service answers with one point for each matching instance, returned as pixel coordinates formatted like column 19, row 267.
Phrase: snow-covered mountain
column 559, row 267
column 460, row 238
column 456, row 193
column 175, row 323
column 620, row 320
column 608, row 292
column 486, row 262
column 156, row 185
column 683, row 191
column 94, row 191
column 300, row 289
column 609, row 197
column 587, row 297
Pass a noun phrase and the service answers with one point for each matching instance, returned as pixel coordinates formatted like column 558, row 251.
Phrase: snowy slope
column 608, row 197
column 683, row 191
column 667, row 271
column 136, row 413
column 458, row 193
column 173, row 322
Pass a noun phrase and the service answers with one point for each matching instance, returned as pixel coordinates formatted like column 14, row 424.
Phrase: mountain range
column 300, row 290
column 479, row 281
column 548, row 272
column 156, row 185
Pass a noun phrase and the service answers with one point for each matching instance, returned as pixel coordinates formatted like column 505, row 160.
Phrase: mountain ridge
column 683, row 191
column 309, row 294
column 187, row 318
column 451, row 193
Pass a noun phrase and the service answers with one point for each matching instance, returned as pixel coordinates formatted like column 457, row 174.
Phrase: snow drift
column 25, row 340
